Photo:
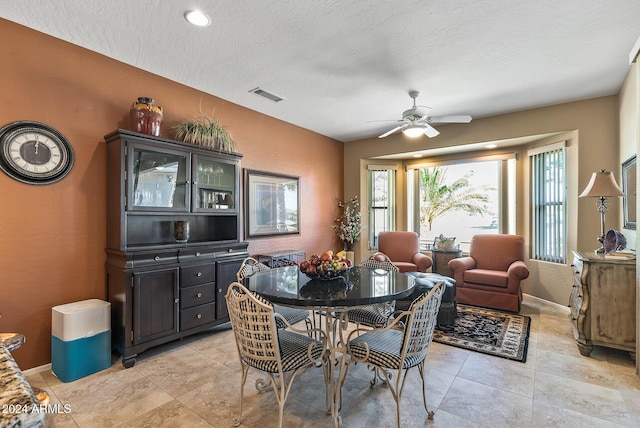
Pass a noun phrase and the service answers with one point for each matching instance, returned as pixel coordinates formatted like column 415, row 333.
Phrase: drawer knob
column 199, row 274
column 156, row 258
column 176, row 300
column 199, row 316
column 198, row 254
column 199, row 295
column 231, row 250
column 219, row 290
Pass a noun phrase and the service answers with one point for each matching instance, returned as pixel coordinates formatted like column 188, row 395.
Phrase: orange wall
column 52, row 238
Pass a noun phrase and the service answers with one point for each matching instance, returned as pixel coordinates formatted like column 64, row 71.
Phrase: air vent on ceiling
column 266, row 94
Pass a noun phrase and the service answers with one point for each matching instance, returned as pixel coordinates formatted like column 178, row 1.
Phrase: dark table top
column 359, row 286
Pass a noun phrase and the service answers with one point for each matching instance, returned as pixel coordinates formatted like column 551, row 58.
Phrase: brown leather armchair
column 491, row 275
column 403, row 249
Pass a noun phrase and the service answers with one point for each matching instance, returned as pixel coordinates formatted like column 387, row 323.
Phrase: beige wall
column 629, row 101
column 53, row 237
column 591, row 130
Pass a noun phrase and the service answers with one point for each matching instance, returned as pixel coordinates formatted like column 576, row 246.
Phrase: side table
column 441, row 261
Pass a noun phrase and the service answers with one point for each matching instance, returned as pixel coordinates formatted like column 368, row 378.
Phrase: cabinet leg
column 585, row 349
column 632, row 354
column 127, row 363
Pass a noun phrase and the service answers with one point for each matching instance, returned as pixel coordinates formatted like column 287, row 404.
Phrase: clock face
column 34, row 153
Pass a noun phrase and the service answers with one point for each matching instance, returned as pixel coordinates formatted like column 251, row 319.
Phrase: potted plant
column 348, row 226
column 206, row 132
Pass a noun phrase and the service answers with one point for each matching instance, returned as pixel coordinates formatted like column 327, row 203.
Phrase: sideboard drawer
column 197, row 295
column 196, row 316
column 198, row 274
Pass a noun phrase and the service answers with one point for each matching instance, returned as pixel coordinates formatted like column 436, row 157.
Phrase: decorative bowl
column 332, row 288
column 326, row 275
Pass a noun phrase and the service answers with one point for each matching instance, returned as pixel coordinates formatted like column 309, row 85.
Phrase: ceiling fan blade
column 397, row 121
column 462, row 118
column 392, row 131
column 430, row 131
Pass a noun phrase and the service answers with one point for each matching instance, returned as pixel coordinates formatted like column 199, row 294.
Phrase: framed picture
column 629, row 189
column 272, row 204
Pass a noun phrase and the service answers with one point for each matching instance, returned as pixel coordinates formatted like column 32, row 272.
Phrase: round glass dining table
column 359, row 286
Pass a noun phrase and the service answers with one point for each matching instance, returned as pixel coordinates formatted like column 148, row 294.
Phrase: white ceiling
column 341, row 63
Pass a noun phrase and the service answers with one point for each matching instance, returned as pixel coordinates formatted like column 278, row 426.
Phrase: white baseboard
column 36, row 370
column 547, row 302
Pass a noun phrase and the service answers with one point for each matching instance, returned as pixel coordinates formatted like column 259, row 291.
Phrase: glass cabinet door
column 215, row 185
column 158, row 179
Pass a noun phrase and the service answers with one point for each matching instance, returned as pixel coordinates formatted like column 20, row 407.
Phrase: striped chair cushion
column 292, row 315
column 369, row 315
column 384, row 349
column 293, row 352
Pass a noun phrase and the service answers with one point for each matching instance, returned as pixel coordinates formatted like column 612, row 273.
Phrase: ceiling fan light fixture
column 413, row 131
column 197, row 18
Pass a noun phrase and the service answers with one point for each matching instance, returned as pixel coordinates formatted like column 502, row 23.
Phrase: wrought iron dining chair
column 293, row 316
column 264, row 347
column 376, row 315
column 400, row 345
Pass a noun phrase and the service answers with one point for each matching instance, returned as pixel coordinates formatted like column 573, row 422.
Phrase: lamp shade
column 413, row 131
column 602, row 184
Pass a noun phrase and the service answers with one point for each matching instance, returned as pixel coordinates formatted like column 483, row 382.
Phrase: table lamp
column 602, row 186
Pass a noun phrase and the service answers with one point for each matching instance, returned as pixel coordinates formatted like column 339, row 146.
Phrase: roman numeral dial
column 34, row 153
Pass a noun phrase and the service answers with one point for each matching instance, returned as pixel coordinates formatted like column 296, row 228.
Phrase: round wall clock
column 34, row 153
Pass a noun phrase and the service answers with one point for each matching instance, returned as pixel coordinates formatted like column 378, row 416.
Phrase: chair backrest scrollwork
column 249, row 267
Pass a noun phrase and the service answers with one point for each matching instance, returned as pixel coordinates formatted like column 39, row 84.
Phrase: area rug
column 492, row 332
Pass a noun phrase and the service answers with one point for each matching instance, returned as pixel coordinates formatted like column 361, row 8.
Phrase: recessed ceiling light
column 197, row 18
column 490, row 146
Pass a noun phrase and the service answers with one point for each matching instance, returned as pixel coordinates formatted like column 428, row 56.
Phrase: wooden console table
column 603, row 302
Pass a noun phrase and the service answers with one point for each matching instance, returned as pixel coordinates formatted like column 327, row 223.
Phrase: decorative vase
column 351, row 256
column 146, row 116
column 181, row 231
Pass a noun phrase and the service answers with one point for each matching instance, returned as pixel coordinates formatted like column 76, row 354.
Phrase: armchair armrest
column 422, row 262
column 462, row 264
column 459, row 266
column 517, row 272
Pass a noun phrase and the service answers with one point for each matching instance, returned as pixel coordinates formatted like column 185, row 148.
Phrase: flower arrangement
column 445, row 244
column 348, row 226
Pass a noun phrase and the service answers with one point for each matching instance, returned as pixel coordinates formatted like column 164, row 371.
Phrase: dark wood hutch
column 166, row 281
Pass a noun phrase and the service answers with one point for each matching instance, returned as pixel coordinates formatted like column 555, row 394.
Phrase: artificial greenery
column 348, row 226
column 206, row 132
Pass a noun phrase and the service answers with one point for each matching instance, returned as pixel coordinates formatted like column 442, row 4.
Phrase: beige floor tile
column 589, row 399
column 578, row 368
column 195, row 382
column 487, row 405
column 169, row 415
column 548, row 416
column 500, row 373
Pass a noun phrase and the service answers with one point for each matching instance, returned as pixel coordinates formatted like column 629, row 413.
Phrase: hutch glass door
column 214, row 184
column 159, row 179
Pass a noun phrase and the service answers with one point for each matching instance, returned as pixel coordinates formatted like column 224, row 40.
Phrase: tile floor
column 195, row 382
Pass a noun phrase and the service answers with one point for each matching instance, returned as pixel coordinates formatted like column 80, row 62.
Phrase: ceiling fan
column 416, row 121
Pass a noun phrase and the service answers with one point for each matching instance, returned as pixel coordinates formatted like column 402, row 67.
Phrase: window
column 461, row 198
column 548, row 203
column 381, row 198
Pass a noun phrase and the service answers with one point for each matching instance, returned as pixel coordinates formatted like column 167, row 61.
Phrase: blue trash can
column 80, row 339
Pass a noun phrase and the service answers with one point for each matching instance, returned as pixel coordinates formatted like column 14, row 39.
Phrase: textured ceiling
column 339, row 64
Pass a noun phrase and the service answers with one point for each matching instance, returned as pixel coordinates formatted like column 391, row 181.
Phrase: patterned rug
column 492, row 332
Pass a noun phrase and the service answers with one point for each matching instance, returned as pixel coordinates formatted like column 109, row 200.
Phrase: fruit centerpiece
column 326, row 265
